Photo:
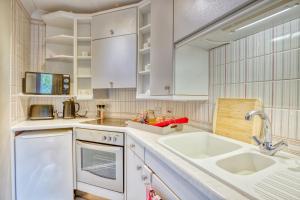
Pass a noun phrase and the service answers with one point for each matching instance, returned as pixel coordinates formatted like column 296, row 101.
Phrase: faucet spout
column 266, row 147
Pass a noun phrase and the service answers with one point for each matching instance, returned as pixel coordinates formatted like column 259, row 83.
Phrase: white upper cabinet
column 161, row 58
column 113, row 24
column 193, row 15
column 114, row 46
column 114, row 62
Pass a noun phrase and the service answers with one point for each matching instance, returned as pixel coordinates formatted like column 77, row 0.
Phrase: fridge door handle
column 44, row 135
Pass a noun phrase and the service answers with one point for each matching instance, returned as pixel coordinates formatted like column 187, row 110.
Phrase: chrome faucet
column 266, row 147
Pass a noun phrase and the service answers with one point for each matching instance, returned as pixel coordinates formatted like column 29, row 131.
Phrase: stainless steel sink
column 245, row 163
column 199, row 145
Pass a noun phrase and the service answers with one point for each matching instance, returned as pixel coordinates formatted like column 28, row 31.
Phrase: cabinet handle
column 132, row 146
column 144, row 177
column 139, row 167
column 111, row 84
column 168, row 88
column 112, row 32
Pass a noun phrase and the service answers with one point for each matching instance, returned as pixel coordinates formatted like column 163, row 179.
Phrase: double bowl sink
column 201, row 146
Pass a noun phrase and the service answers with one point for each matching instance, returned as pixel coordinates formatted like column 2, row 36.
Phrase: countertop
column 205, row 183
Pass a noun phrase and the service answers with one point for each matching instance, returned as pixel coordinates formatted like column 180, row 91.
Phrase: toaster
column 41, row 111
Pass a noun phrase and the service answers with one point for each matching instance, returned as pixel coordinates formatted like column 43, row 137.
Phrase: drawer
column 163, row 190
column 135, row 147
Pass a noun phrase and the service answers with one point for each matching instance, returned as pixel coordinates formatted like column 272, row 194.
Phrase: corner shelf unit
column 144, row 46
column 68, row 50
column 82, row 65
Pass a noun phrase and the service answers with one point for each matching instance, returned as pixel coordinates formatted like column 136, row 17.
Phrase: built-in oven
column 100, row 158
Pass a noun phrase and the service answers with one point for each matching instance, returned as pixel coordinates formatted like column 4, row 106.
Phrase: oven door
column 100, row 165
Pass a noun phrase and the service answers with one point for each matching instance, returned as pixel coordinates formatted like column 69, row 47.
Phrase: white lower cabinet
column 136, row 189
column 139, row 177
column 161, row 189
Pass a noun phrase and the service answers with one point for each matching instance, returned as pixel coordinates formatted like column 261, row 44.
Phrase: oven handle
column 101, row 147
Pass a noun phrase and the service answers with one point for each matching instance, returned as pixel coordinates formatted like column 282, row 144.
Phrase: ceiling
column 77, row 6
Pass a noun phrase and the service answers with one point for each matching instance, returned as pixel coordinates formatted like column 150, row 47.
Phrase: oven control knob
column 104, row 138
column 108, row 138
column 115, row 139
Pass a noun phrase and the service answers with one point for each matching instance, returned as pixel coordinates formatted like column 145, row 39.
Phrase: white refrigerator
column 44, row 165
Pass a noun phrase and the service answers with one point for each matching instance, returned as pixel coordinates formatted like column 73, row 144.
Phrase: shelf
column 144, row 72
column 173, row 98
column 145, row 8
column 84, row 76
column 145, row 29
column 59, row 19
column 44, row 96
column 84, row 39
column 85, row 97
column 61, row 39
column 145, row 50
column 63, row 58
column 84, row 57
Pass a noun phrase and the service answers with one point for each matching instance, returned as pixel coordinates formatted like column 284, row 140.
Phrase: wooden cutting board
column 229, row 119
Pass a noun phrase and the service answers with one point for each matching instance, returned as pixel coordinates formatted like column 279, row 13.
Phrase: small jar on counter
column 100, row 111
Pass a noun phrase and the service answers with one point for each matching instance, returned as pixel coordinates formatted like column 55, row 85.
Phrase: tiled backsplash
column 265, row 65
column 20, row 60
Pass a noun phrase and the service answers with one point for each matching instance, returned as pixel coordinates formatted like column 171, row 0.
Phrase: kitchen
column 130, row 99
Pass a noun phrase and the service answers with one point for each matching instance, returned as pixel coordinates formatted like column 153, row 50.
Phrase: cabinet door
column 192, row 15
column 161, row 57
column 136, row 189
column 114, row 24
column 162, row 190
column 114, row 62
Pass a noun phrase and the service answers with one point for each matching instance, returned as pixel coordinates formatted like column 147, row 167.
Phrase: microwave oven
column 46, row 83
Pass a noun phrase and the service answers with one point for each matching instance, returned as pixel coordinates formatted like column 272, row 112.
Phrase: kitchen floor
column 85, row 196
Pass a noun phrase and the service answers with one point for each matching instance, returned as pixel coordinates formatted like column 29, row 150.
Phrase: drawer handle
column 132, row 146
column 139, row 167
column 144, row 177
column 112, row 32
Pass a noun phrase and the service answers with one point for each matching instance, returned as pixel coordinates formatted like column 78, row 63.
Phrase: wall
column 5, row 48
column 264, row 65
column 20, row 61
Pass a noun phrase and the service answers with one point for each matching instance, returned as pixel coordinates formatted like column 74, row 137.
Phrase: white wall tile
column 278, row 66
column 295, row 63
column 295, row 33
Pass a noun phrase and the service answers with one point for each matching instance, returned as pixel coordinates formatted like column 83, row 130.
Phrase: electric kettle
column 70, row 111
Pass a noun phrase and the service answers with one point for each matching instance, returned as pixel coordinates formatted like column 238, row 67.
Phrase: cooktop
column 108, row 122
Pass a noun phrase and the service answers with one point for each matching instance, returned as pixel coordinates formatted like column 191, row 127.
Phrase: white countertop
column 206, row 183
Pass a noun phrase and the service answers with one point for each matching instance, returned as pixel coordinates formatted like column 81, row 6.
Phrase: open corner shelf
column 60, row 19
column 63, row 58
column 145, row 29
column 146, row 72
column 84, row 98
column 84, row 57
column 84, row 39
column 145, row 50
column 61, row 39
